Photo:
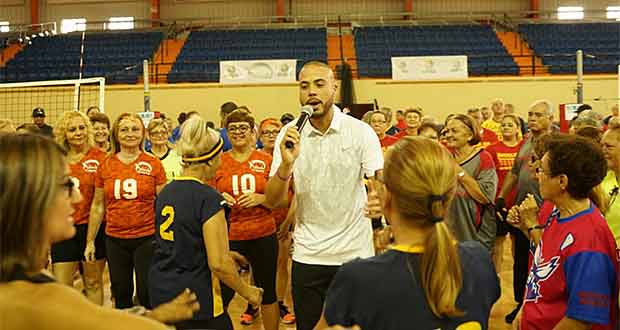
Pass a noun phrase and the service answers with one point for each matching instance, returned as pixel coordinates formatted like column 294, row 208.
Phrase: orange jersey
column 130, row 191
column 84, row 173
column 236, row 179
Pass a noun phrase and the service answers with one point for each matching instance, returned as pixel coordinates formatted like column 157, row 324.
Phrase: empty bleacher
column 117, row 56
column 200, row 56
column 376, row 45
column 557, row 44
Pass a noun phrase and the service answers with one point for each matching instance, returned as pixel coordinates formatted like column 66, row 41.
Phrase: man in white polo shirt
column 328, row 162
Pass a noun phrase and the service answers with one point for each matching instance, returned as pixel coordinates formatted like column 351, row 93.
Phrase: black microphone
column 306, row 113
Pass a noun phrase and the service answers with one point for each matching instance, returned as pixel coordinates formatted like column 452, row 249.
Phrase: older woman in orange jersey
column 268, row 131
column 74, row 133
column 241, row 179
column 126, row 186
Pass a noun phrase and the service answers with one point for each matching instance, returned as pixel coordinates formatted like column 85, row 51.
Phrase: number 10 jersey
column 239, row 178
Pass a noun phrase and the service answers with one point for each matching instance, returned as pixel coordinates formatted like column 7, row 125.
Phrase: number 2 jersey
column 130, row 191
column 180, row 258
column 84, row 173
column 238, row 178
column 574, row 273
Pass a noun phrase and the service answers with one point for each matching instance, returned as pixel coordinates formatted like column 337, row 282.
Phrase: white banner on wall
column 257, row 71
column 429, row 68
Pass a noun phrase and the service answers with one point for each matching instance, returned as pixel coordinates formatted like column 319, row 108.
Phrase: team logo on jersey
column 90, row 166
column 258, row 166
column 540, row 272
column 144, row 168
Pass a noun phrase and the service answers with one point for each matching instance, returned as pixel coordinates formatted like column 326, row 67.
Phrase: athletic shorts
column 72, row 250
column 262, row 253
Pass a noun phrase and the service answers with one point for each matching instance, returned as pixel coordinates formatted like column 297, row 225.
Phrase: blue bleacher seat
column 375, row 45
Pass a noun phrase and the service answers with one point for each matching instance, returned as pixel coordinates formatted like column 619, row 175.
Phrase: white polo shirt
column 329, row 190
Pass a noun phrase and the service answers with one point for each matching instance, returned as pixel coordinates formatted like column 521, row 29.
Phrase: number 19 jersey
column 130, row 191
column 239, row 178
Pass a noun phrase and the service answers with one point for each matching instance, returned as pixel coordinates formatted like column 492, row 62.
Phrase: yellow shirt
column 494, row 126
column 610, row 184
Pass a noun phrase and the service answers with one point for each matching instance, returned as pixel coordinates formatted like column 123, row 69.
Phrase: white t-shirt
column 331, row 228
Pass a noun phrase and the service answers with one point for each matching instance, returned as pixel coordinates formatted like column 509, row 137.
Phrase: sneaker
column 286, row 316
column 249, row 315
column 511, row 317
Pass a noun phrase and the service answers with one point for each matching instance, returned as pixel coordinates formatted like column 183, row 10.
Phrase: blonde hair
column 196, row 139
column 421, row 177
column 31, row 171
column 60, row 130
column 116, row 147
column 6, row 126
column 156, row 123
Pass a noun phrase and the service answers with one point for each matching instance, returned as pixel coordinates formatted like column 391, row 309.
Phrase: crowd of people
column 178, row 212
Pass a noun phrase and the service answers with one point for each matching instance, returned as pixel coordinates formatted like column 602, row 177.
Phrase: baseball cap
column 583, row 108
column 38, row 112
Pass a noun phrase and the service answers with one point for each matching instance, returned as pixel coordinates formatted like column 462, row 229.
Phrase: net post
column 102, row 95
column 76, row 96
column 147, row 97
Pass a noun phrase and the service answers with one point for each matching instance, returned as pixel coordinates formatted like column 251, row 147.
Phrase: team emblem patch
column 144, row 168
column 90, row 165
column 258, row 166
column 540, row 272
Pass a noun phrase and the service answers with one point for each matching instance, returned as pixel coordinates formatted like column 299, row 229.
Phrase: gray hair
column 546, row 103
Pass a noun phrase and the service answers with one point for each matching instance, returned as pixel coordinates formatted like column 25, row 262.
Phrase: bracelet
column 537, row 227
column 281, row 178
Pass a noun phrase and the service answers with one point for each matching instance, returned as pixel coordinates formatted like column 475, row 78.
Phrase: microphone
column 306, row 112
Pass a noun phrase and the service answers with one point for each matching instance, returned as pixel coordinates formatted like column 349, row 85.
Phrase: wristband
column 537, row 227
column 281, row 178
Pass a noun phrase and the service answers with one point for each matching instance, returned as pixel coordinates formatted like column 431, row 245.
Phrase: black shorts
column 262, row 253
column 72, row 250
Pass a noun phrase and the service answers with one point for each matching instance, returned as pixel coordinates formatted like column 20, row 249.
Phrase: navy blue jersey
column 381, row 292
column 180, row 258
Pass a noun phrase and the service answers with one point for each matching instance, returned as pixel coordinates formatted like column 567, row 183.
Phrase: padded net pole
column 147, row 97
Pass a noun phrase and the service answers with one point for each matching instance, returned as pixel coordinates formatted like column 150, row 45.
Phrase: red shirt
column 84, row 173
column 130, row 191
column 238, row 178
column 504, row 157
column 401, row 125
column 487, row 138
column 388, row 140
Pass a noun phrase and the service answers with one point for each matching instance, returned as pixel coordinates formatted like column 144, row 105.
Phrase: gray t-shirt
column 526, row 175
column 468, row 219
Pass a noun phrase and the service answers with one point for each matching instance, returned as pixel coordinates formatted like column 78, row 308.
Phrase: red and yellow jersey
column 130, row 191
column 238, row 178
column 84, row 173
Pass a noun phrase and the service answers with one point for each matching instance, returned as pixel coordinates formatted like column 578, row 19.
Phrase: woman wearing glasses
column 37, row 210
column 471, row 218
column 611, row 151
column 573, row 279
column 126, row 187
column 269, row 129
column 241, row 178
column 158, row 133
column 74, row 133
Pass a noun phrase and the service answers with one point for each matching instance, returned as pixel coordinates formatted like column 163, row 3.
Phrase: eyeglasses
column 159, row 132
column 240, row 129
column 69, row 185
column 270, row 133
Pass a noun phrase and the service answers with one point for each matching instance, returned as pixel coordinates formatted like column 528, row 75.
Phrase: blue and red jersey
column 574, row 273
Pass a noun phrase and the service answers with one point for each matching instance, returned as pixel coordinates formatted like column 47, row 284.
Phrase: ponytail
column 441, row 257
